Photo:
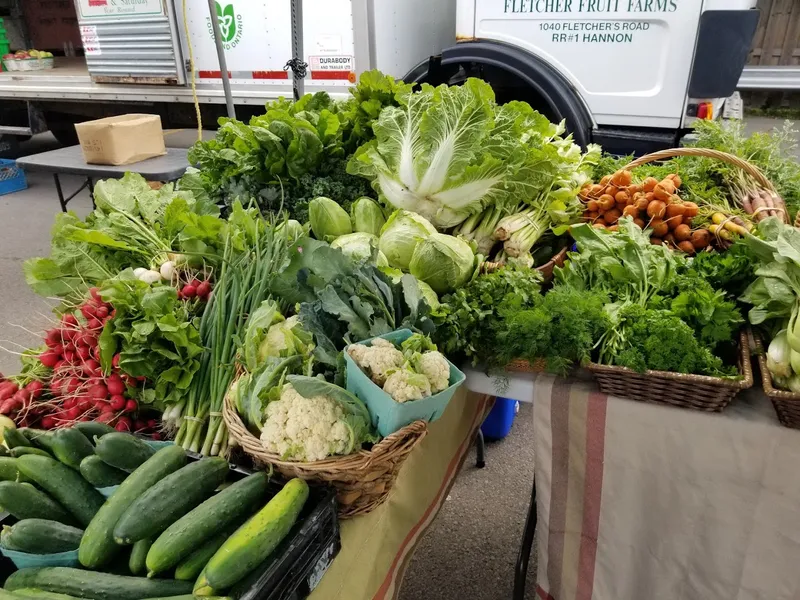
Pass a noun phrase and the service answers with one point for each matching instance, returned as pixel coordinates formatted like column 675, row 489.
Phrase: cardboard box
column 121, row 140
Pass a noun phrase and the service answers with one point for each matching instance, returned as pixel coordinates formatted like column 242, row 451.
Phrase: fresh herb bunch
column 731, row 271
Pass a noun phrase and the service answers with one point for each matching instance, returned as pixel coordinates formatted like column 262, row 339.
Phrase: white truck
column 629, row 74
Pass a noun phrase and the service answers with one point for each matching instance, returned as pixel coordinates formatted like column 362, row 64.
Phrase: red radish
column 98, row 391
column 94, row 324
column 124, row 424
column 7, row 407
column 131, row 406
column 70, row 355
column 53, row 336
column 60, row 364
column 84, row 352
column 152, row 423
column 85, row 405
column 115, row 361
column 156, row 436
column 102, row 406
column 87, row 310
column 195, row 282
column 92, row 367
column 204, row 289
column 139, row 425
column 49, row 359
column 117, row 402
column 69, row 403
column 115, row 386
column 73, row 413
column 36, row 388
column 189, row 291
column 101, row 312
column 69, row 320
column 73, row 383
column 48, row 422
column 94, row 292
column 96, row 353
column 9, row 389
column 106, row 417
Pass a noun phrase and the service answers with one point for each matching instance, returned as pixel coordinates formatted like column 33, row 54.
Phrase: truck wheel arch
column 535, row 74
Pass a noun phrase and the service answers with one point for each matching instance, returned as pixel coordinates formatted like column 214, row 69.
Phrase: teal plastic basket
column 387, row 414
column 23, row 560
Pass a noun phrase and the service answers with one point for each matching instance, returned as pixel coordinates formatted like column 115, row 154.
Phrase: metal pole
column 223, row 64
column 299, row 68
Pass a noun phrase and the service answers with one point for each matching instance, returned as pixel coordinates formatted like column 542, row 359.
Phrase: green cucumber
column 136, row 563
column 35, row 594
column 99, row 474
column 214, row 515
column 70, row 446
column 14, row 438
column 95, row 585
column 123, row 451
column 4, row 595
column 40, row 536
column 65, row 485
column 26, row 502
column 193, row 565
column 190, row 597
column 254, row 541
column 3, row 451
column 98, row 546
column 170, row 499
column 18, row 451
column 9, row 470
column 39, row 438
column 93, row 429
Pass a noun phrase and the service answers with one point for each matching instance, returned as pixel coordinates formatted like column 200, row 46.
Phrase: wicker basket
column 362, row 480
column 786, row 404
column 546, row 269
column 732, row 159
column 698, row 392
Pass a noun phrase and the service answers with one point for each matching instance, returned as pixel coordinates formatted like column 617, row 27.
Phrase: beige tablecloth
column 645, row 502
column 377, row 547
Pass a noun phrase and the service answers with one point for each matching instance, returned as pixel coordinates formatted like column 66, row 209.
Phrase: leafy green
column 253, row 390
column 731, row 271
column 707, row 311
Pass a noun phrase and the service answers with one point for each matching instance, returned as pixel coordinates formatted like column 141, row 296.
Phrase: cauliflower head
column 435, row 367
column 376, row 360
column 305, row 429
column 404, row 385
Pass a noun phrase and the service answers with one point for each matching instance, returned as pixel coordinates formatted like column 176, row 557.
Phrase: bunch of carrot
column 653, row 205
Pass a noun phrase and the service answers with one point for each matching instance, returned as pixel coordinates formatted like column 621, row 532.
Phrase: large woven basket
column 786, row 404
column 698, row 392
column 362, row 480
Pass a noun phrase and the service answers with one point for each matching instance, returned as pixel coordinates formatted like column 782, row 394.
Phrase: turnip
column 117, row 402
column 131, row 406
column 49, row 359
column 150, row 277
column 139, row 271
column 167, row 270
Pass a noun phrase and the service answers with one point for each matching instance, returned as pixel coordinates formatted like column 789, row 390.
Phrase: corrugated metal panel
column 139, row 51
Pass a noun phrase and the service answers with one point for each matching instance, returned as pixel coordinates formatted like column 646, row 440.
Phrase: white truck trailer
column 629, row 74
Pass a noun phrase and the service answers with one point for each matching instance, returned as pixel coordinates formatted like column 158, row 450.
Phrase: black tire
column 64, row 132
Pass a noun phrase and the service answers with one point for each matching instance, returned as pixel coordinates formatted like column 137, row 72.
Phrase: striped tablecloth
column 377, row 547
column 646, row 502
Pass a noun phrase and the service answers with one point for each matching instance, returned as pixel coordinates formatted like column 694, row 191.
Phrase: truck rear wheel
column 62, row 126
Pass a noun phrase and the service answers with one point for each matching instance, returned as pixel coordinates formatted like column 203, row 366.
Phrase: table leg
column 91, row 191
column 480, row 450
column 521, row 570
column 61, row 200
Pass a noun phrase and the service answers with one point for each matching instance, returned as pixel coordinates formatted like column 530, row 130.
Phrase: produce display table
column 645, row 501
column 69, row 161
column 377, row 547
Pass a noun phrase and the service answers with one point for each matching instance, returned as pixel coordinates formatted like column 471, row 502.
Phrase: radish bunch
column 195, row 289
column 16, row 401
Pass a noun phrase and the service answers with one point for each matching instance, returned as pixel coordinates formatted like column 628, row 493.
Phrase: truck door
column 629, row 60
column 131, row 41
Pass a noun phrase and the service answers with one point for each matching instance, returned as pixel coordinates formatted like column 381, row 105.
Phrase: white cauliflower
column 435, row 367
column 305, row 429
column 404, row 385
column 376, row 360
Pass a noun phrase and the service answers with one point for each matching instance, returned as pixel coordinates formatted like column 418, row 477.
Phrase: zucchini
column 99, row 474
column 9, row 470
column 65, row 485
column 216, row 514
column 70, row 446
column 254, row 541
column 193, row 565
column 170, row 499
column 18, row 451
column 40, row 536
column 123, row 451
column 93, row 429
column 26, row 502
column 136, row 563
column 35, row 594
column 92, row 584
column 97, row 546
column 13, row 438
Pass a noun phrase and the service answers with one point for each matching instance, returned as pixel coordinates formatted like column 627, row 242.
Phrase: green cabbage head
column 443, row 262
column 400, row 236
column 328, row 219
column 367, row 216
column 360, row 246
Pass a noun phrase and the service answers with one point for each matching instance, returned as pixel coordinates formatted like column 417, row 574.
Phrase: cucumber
column 97, row 546
column 92, row 584
column 136, row 563
column 65, row 485
column 3, row 451
column 254, row 541
column 170, row 499
column 9, row 470
column 214, row 515
column 70, row 446
column 93, row 429
column 39, row 438
column 18, row 451
column 123, row 451
column 99, row 474
column 40, row 536
column 14, row 438
column 191, row 597
column 4, row 595
column 193, row 565
column 26, row 502
column 35, row 594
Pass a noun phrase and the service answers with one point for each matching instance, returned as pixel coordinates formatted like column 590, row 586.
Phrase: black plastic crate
column 296, row 566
